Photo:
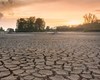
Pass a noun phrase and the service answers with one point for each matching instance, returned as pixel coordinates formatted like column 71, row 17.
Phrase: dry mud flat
column 47, row 56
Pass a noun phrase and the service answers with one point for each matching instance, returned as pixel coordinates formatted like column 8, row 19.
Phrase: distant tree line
column 30, row 24
column 91, row 23
column 62, row 28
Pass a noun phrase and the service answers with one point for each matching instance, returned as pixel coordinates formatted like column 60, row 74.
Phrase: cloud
column 7, row 4
column 1, row 15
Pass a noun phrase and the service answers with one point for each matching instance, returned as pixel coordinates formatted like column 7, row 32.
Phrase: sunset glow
column 74, row 22
column 54, row 12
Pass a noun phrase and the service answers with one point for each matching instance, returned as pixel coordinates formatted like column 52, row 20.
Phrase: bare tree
column 89, row 18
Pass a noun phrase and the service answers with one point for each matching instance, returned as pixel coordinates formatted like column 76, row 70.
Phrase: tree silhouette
column 48, row 28
column 21, row 25
column 1, row 29
column 39, row 24
column 10, row 30
column 30, row 24
column 89, row 18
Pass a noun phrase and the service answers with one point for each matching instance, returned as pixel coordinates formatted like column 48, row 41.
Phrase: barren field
column 48, row 56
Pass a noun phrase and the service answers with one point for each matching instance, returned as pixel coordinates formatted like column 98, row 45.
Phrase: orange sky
column 55, row 12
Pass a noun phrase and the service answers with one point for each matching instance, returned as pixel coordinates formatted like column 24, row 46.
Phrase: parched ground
column 48, row 56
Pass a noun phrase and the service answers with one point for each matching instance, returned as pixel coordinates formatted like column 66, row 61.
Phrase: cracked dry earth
column 47, row 56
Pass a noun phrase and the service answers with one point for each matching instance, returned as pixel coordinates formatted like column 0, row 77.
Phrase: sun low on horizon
column 74, row 22
column 54, row 12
